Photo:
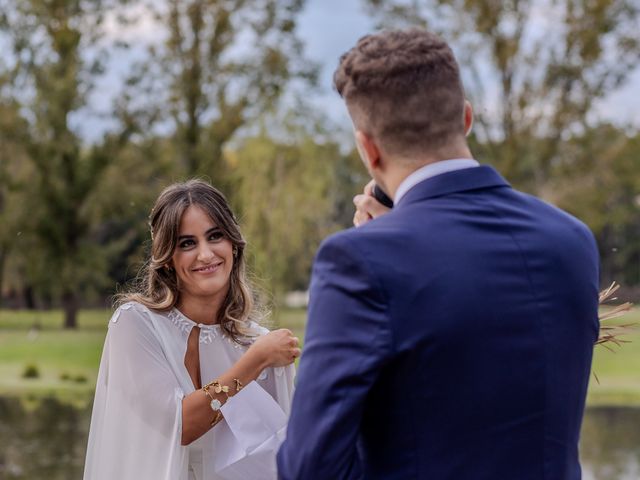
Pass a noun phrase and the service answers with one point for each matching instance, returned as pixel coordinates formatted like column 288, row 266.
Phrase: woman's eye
column 186, row 243
column 216, row 236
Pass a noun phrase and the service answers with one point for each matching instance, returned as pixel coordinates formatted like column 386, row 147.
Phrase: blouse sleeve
column 255, row 427
column 137, row 414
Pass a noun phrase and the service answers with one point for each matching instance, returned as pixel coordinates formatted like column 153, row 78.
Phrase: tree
column 14, row 175
column 224, row 63
column 534, row 70
column 284, row 197
column 53, row 42
column 601, row 185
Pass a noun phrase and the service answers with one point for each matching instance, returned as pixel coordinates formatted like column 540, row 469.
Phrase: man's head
column 404, row 94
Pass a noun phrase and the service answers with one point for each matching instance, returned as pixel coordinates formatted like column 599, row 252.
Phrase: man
column 452, row 337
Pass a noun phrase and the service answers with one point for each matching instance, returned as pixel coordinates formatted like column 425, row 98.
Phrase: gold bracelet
column 214, row 403
column 217, row 418
column 217, row 388
column 239, row 385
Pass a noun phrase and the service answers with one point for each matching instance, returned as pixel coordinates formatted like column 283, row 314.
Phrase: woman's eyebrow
column 211, row 230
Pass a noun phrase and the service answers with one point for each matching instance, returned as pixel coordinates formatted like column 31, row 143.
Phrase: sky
column 328, row 35
column 328, row 29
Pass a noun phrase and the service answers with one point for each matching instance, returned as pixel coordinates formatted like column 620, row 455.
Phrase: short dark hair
column 403, row 87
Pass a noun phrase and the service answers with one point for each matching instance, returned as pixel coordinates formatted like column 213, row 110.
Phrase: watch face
column 215, row 404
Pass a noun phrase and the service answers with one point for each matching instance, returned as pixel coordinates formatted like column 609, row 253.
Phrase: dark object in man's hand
column 382, row 197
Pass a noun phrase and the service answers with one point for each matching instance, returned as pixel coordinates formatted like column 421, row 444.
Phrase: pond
column 46, row 441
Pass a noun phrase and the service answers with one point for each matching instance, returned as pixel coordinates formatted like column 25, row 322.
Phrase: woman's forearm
column 197, row 414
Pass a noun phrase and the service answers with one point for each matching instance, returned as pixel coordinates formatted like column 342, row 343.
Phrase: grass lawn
column 67, row 361
column 619, row 371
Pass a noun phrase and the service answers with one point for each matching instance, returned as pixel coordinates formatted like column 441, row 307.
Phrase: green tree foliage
column 82, row 214
column 51, row 41
column 15, row 173
column 224, row 62
column 285, row 193
column 601, row 185
column 534, row 70
column 209, row 100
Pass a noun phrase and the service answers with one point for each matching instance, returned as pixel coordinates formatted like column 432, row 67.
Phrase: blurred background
column 103, row 103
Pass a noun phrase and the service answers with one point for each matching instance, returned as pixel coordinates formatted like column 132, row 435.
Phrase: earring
column 235, row 251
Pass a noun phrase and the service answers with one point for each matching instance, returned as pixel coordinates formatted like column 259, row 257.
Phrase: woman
column 190, row 387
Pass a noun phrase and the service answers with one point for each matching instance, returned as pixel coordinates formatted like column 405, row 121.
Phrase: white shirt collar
column 431, row 170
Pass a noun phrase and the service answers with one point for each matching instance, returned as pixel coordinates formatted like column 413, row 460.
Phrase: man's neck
column 395, row 177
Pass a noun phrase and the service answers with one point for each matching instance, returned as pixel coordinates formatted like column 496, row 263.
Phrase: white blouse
column 136, row 424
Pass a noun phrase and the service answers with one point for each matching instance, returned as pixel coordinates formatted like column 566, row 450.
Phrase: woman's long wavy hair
column 157, row 286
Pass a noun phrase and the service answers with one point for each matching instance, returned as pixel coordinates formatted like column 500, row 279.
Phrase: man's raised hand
column 367, row 207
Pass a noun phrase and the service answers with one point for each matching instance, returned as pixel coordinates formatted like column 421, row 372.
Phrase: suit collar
column 431, row 170
column 476, row 178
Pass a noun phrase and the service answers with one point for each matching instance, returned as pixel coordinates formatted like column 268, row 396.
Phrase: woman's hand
column 276, row 349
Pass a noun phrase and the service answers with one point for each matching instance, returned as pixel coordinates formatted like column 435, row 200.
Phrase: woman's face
column 203, row 257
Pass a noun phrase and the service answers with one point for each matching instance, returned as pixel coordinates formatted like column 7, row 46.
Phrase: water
column 610, row 446
column 42, row 441
column 46, row 441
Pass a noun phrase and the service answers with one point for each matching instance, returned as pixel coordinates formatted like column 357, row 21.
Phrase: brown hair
column 157, row 286
column 403, row 88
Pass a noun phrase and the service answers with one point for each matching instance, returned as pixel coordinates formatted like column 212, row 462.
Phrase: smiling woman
column 203, row 262
column 190, row 224
column 188, row 379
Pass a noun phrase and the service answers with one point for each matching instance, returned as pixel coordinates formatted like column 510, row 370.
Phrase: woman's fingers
column 285, row 349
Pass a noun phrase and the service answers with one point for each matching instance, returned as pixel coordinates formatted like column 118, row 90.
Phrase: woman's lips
column 208, row 268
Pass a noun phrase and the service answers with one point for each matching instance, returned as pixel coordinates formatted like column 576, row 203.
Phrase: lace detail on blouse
column 207, row 332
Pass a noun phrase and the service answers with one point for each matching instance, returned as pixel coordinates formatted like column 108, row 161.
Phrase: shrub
column 31, row 371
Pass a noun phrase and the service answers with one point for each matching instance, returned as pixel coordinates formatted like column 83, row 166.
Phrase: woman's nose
column 205, row 254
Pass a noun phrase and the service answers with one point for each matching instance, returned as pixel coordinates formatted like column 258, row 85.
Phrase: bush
column 31, row 371
column 79, row 378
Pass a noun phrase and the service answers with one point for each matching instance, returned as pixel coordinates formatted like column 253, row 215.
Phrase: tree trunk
column 3, row 257
column 29, row 297
column 70, row 307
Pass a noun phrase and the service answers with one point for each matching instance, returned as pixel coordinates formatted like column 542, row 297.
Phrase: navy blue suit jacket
column 449, row 339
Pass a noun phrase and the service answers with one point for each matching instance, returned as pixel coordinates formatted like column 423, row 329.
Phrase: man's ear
column 468, row 118
column 369, row 151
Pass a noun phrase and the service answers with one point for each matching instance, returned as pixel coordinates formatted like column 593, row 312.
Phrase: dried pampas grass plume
column 610, row 334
